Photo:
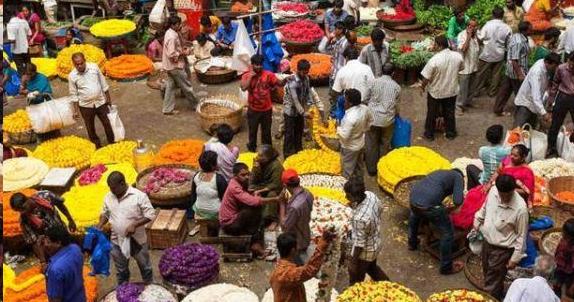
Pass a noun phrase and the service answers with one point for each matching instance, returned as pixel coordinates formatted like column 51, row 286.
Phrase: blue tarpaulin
column 271, row 48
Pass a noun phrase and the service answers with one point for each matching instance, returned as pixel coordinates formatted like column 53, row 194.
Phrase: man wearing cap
column 295, row 214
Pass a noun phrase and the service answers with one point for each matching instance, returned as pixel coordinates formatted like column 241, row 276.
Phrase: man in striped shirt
column 516, row 66
column 376, row 54
column 382, row 98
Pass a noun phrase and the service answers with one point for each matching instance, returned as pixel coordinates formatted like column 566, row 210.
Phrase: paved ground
column 140, row 109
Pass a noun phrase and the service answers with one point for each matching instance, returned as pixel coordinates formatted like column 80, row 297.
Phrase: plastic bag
column 531, row 253
column 401, row 133
column 98, row 245
column 51, row 115
column 541, row 223
column 116, row 123
column 242, row 49
column 157, row 14
column 12, row 86
column 537, row 143
column 475, row 240
column 564, row 146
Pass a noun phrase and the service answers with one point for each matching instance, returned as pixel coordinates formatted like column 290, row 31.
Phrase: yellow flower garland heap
column 46, row 66
column 382, row 291
column 319, row 130
column 185, row 152
column 314, row 161
column 407, row 162
column 23, row 172
column 66, row 152
column 114, row 154
column 247, row 158
column 128, row 67
column 85, row 204
column 17, row 122
column 458, row 295
column 91, row 53
column 112, row 28
column 333, row 194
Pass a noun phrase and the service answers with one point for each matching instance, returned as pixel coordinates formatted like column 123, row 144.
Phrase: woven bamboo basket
column 550, row 240
column 391, row 23
column 331, row 142
column 110, row 295
column 561, row 184
column 222, row 109
column 487, row 296
column 168, row 197
column 295, row 48
column 557, row 215
column 473, row 272
column 219, row 76
column 22, row 138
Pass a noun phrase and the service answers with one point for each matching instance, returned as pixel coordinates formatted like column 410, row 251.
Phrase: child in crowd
column 74, row 36
column 564, row 256
column 202, row 47
column 154, row 49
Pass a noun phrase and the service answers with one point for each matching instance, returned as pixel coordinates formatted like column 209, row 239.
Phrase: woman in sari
column 35, row 23
column 514, row 165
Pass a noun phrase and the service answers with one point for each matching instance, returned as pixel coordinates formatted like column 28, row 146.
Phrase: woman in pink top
column 35, row 25
column 154, row 49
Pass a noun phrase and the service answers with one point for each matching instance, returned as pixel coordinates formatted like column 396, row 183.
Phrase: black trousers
column 248, row 222
column 507, row 87
column 22, row 60
column 254, row 120
column 564, row 105
column 472, row 176
column 523, row 115
column 447, row 106
column 89, row 117
column 293, row 139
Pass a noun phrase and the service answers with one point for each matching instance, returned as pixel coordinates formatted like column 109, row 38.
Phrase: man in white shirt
column 351, row 133
column 469, row 48
column 440, row 76
column 354, row 75
column 493, row 35
column 128, row 210
column 92, row 97
column 18, row 31
column 566, row 43
column 352, row 8
column 534, row 289
column 529, row 101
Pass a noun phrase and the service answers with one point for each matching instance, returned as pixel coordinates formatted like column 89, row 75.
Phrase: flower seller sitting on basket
column 37, row 214
column 426, row 199
column 241, row 211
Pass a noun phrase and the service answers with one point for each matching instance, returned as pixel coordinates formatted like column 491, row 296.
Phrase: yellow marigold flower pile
column 320, row 130
column 30, row 286
column 66, row 152
column 128, row 67
column 46, row 66
column 17, row 122
column 112, row 28
column 247, row 158
column 180, row 152
column 458, row 295
column 114, row 154
column 328, row 193
column 314, row 161
column 407, row 162
column 85, row 204
column 64, row 59
column 382, row 291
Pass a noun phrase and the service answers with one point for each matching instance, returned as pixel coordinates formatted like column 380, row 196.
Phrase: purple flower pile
column 193, row 265
column 129, row 292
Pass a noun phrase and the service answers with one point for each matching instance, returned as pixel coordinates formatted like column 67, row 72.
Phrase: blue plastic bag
column 338, row 111
column 541, row 223
column 531, row 253
column 98, row 245
column 12, row 86
column 401, row 133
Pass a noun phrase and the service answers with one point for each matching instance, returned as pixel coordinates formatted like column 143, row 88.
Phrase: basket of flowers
column 222, row 109
column 462, row 295
column 209, row 73
column 19, row 128
column 562, row 193
column 320, row 70
column 141, row 292
column 92, row 54
column 382, row 291
column 127, row 68
column 550, row 240
column 301, row 36
column 112, row 29
column 166, row 185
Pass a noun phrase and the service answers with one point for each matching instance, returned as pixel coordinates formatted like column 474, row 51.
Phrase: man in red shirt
column 240, row 212
column 259, row 84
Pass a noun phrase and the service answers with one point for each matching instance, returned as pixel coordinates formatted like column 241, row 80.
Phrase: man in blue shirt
column 226, row 33
column 426, row 201
column 64, row 279
column 334, row 15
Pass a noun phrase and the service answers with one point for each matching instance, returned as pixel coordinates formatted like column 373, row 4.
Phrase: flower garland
column 10, row 218
column 180, row 152
column 128, row 67
column 314, row 161
column 320, row 130
column 46, row 66
column 112, row 28
column 301, row 31
column 65, row 152
column 323, row 180
column 91, row 53
column 17, row 122
column 458, row 295
column 247, row 158
column 320, row 65
column 36, row 291
column 85, row 204
column 551, row 168
column 23, row 172
column 407, row 162
column 114, row 154
column 192, row 265
column 382, row 291
column 332, row 194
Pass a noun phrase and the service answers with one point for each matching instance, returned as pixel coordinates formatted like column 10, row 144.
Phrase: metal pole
column 260, row 50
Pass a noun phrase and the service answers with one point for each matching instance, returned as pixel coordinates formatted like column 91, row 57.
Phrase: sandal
column 457, row 267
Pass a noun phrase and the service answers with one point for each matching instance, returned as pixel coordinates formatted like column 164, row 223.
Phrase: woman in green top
column 456, row 24
column 549, row 45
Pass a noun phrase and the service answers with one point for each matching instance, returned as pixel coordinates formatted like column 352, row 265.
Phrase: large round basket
column 487, row 296
column 78, row 23
column 561, row 184
column 295, row 48
column 218, row 76
column 550, row 240
column 557, row 215
column 331, row 142
column 403, row 191
column 391, row 23
column 222, row 109
column 22, row 138
column 110, row 296
column 172, row 197
column 473, row 272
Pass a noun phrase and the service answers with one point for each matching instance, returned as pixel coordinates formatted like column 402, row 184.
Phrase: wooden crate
column 208, row 230
column 169, row 228
column 235, row 248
